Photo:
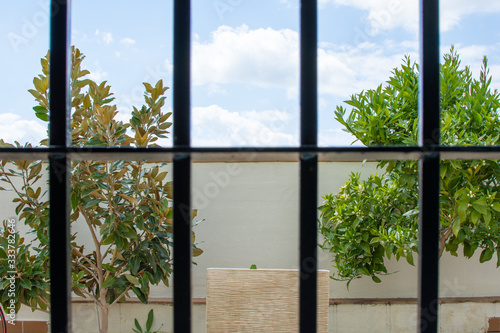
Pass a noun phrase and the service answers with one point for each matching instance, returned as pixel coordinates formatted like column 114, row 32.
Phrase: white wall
column 250, row 213
column 253, row 219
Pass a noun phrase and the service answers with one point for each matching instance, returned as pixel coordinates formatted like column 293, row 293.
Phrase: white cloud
column 97, row 75
column 345, row 70
column 127, row 41
column 215, row 126
column 391, row 14
column 106, row 37
column 262, row 57
column 269, row 58
column 14, row 128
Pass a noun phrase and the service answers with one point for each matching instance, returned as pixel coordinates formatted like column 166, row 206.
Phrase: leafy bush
column 370, row 220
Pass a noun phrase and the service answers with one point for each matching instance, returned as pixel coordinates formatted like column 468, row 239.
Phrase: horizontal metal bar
column 253, row 154
column 331, row 301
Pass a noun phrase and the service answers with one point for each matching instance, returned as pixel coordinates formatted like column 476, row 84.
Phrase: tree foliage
column 125, row 205
column 370, row 220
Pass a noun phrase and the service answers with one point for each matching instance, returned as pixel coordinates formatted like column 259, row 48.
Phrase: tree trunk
column 104, row 319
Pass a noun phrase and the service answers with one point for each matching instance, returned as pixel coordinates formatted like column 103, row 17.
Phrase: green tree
column 370, row 220
column 125, row 205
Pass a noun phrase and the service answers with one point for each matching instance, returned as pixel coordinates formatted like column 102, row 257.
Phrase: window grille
column 428, row 152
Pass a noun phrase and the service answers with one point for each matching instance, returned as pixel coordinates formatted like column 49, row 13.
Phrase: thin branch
column 98, row 259
column 445, row 233
column 89, row 223
column 87, row 260
column 35, row 308
column 106, row 275
column 126, row 290
column 121, row 295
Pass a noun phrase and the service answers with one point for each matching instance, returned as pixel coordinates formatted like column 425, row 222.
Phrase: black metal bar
column 428, row 306
column 428, row 302
column 182, row 166
column 182, row 70
column 182, row 243
column 429, row 74
column 59, row 228
column 60, row 252
column 60, row 65
column 308, row 242
column 308, row 166
column 308, row 73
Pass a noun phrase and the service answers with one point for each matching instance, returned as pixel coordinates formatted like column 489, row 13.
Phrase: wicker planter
column 259, row 300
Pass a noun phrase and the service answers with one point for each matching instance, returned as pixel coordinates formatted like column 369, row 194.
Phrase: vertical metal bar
column 428, row 306
column 60, row 65
column 308, row 73
column 308, row 166
column 182, row 167
column 182, row 73
column 182, row 243
column 59, row 228
column 429, row 73
column 308, row 242
column 59, row 235
column 428, row 281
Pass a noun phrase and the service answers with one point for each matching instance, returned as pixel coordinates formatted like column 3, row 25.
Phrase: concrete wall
column 345, row 318
column 250, row 213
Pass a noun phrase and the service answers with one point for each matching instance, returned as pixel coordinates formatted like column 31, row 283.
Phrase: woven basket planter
column 259, row 300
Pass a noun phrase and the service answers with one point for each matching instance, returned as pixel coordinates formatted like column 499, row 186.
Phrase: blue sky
column 244, row 58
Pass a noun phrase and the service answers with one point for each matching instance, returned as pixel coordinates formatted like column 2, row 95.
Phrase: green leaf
column 480, row 206
column 139, row 328
column 99, row 175
column 468, row 250
column 409, row 258
column 462, row 210
column 456, row 227
column 149, row 322
column 25, row 283
column 366, row 248
column 486, row 255
column 92, row 203
column 109, row 281
column 108, row 267
column 132, row 279
column 475, row 216
column 253, row 266
column 376, row 279
column 496, row 206
column 139, row 294
column 40, row 109
column 487, row 218
column 42, row 116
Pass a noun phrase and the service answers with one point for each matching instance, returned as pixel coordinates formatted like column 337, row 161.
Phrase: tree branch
column 88, row 261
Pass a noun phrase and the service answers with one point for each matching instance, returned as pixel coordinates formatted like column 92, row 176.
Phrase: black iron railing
column 428, row 152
